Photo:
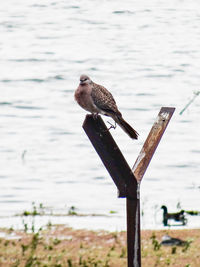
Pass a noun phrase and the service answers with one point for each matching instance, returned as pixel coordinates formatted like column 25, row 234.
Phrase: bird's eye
column 83, row 80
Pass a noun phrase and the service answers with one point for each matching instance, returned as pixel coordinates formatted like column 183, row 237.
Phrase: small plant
column 168, row 261
column 115, row 236
column 48, row 247
column 123, row 253
column 35, row 241
column 113, row 212
column 69, row 262
column 10, row 230
column 49, row 225
column 155, row 243
column 35, row 210
column 187, row 245
column 56, row 241
column 112, row 248
column 25, row 226
column 17, row 263
column 173, row 250
column 31, row 261
column 72, row 211
column 31, row 226
column 6, row 243
column 24, row 248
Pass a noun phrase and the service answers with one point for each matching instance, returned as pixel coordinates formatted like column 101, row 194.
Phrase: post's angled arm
column 152, row 141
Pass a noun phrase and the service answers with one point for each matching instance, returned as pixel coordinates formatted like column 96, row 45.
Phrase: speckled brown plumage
column 103, row 99
column 98, row 100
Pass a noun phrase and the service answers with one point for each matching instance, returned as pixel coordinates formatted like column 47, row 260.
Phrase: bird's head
column 164, row 208
column 84, row 79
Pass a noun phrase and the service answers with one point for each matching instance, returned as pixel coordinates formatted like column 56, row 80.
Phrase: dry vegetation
column 61, row 246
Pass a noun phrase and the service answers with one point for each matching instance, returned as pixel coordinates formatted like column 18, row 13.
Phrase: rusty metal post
column 111, row 156
column 127, row 180
column 133, row 232
column 139, row 169
column 152, row 141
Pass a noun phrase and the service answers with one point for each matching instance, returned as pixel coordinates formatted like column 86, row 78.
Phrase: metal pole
column 133, row 232
column 152, row 141
column 111, row 156
column 139, row 169
column 127, row 180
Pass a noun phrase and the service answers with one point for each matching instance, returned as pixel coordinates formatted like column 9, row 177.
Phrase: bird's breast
column 84, row 99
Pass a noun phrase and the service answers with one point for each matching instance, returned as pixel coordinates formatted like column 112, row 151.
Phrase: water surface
column 147, row 56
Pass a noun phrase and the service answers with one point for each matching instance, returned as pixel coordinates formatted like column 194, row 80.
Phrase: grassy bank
column 61, row 246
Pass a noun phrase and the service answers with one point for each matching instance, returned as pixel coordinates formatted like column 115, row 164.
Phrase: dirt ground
column 61, row 246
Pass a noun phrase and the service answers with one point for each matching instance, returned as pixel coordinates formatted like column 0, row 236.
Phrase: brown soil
column 60, row 246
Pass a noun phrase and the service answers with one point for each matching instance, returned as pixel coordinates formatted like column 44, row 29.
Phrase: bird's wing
column 103, row 99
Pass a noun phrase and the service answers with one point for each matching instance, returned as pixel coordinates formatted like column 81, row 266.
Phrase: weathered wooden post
column 127, row 180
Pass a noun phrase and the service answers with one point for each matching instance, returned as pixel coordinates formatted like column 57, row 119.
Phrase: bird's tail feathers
column 126, row 127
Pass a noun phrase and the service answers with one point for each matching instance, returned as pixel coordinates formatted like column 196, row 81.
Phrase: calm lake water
column 148, row 56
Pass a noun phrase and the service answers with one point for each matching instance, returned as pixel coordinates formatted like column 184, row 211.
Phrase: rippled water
column 147, row 56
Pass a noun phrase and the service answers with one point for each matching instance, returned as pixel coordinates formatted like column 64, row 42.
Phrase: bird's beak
column 81, row 81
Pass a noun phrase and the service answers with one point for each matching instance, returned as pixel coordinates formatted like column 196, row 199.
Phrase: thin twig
column 190, row 102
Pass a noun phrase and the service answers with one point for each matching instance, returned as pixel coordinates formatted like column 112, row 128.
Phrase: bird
column 171, row 241
column 97, row 99
column 178, row 216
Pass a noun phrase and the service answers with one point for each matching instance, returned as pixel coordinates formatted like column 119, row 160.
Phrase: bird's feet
column 111, row 125
column 95, row 115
